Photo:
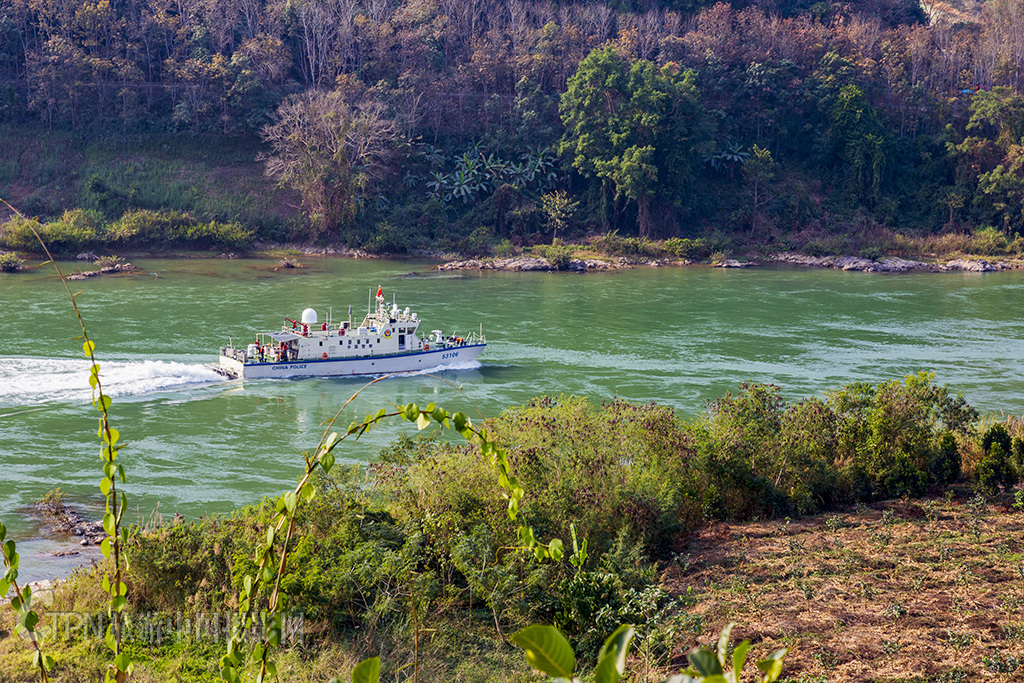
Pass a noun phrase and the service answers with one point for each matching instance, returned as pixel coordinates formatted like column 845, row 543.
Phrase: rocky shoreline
column 122, row 268
column 537, row 263
column 849, row 263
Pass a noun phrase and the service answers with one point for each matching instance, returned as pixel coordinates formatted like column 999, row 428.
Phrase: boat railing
column 234, row 354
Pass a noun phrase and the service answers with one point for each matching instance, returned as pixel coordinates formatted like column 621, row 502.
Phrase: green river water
column 678, row 336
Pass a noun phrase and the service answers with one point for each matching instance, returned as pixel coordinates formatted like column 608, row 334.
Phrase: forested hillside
column 403, row 124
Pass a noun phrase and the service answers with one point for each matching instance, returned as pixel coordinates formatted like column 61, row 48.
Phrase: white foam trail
column 32, row 381
column 464, row 365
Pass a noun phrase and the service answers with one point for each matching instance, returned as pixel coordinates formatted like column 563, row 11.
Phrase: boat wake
column 34, row 381
column 468, row 365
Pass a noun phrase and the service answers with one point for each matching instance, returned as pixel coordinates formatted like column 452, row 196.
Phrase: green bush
column 144, row 228
column 504, row 249
column 946, row 464
column 611, row 243
column 9, row 262
column 558, row 255
column 69, row 234
column 987, row 242
column 685, row 248
column 996, row 468
column 387, row 239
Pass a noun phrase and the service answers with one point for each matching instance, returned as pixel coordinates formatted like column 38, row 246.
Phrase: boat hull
column 345, row 367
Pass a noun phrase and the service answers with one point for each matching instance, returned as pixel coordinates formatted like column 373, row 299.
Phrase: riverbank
column 848, row 263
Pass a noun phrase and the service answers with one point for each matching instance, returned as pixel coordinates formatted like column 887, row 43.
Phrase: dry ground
column 898, row 591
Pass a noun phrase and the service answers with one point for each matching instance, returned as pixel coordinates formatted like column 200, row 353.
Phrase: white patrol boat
column 386, row 341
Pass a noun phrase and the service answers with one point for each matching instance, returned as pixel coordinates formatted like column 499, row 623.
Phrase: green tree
column 559, row 209
column 992, row 155
column 758, row 172
column 634, row 126
column 860, row 140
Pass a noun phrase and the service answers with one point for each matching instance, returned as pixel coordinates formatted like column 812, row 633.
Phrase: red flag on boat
column 380, row 291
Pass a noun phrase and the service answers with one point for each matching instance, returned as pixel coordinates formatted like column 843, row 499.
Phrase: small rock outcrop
column 890, row 264
column 973, row 265
column 120, row 268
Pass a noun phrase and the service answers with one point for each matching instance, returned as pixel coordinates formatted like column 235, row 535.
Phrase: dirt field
column 897, row 591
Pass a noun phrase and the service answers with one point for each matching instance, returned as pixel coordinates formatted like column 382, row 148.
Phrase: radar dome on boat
column 309, row 316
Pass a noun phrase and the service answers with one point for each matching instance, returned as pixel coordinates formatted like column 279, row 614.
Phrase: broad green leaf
column 367, row 671
column 291, row 501
column 271, row 668
column 3, row 532
column 723, row 643
column 103, row 403
column 308, row 493
column 327, row 462
column 546, row 650
column 105, row 486
column 122, row 662
column 412, row 412
column 108, row 524
column 705, row 662
column 247, row 586
column 423, row 421
column 105, row 547
column 331, row 442
column 48, row 662
column 29, row 620
column 4, row 586
column 772, row 666
column 93, row 381
column 460, row 422
column 611, row 662
column 739, row 658
column 556, row 550
column 88, row 347
column 111, row 436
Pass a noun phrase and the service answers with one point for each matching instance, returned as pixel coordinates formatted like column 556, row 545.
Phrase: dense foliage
column 421, row 532
column 783, row 122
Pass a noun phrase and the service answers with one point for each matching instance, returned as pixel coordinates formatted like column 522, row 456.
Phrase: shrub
column 611, row 243
column 387, row 239
column 946, row 464
column 16, row 234
column 68, row 234
column 172, row 228
column 504, row 249
column 693, row 250
column 9, row 262
column 558, row 255
column 108, row 261
column 987, row 242
column 148, row 228
column 996, row 467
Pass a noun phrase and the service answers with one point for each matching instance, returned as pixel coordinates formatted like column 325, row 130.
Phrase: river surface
column 678, row 336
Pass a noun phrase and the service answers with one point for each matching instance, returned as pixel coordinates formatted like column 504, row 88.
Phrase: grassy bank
column 45, row 173
column 179, row 190
column 415, row 559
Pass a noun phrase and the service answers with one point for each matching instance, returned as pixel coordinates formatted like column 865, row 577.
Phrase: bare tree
column 331, row 151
